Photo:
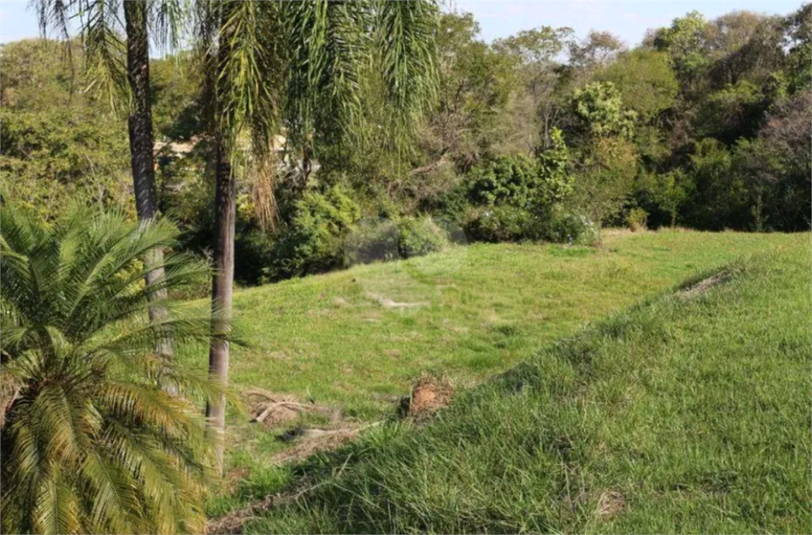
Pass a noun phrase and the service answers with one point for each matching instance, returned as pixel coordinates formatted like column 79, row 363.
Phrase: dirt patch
column 274, row 410
column 233, row 522
column 309, row 442
column 609, row 504
column 388, row 303
column 429, row 394
column 704, row 285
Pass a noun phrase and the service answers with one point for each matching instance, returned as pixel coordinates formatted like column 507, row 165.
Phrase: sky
column 500, row 18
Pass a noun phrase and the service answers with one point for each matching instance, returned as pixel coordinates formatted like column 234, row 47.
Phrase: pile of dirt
column 429, row 393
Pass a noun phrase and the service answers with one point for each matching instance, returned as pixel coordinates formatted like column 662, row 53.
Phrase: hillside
column 331, row 339
column 688, row 413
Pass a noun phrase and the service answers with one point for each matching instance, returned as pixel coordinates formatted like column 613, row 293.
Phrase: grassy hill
column 688, row 413
column 357, row 339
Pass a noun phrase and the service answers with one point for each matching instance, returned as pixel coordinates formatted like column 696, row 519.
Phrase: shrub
column 314, row 240
column 372, row 240
column 571, row 227
column 510, row 180
column 91, row 441
column 637, row 219
column 420, row 236
column 503, row 223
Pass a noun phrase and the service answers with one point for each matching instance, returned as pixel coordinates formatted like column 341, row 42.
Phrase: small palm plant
column 93, row 439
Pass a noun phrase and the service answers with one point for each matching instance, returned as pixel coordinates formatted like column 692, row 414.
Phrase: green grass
column 487, row 308
column 677, row 415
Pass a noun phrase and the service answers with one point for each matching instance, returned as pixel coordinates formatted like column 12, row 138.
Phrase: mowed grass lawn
column 357, row 339
column 688, row 413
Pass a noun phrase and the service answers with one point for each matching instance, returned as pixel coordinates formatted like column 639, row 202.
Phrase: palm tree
column 302, row 65
column 90, row 442
column 100, row 29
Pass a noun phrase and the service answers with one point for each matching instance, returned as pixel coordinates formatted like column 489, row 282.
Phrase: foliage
column 315, row 242
column 636, row 219
column 644, row 80
column 554, row 169
column 58, row 143
column 599, row 110
column 420, row 236
column 718, row 195
column 91, row 441
column 53, row 156
column 475, row 84
column 686, row 42
column 503, row 223
column 605, row 178
column 798, row 32
column 505, row 180
column 570, row 227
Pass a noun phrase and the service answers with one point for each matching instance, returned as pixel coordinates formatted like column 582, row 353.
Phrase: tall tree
column 535, row 53
column 99, row 30
column 301, row 64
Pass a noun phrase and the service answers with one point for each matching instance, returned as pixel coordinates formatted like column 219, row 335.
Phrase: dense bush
column 503, row 223
column 505, row 180
column 565, row 226
column 420, row 236
column 637, row 219
column 314, row 240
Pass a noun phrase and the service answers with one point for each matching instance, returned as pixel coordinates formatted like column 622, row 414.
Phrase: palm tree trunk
column 222, row 285
column 141, row 147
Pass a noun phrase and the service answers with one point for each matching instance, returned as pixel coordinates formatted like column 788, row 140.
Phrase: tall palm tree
column 90, row 442
column 301, row 65
column 124, row 74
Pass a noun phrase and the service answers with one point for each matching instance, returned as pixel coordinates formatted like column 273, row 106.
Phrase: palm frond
column 91, row 443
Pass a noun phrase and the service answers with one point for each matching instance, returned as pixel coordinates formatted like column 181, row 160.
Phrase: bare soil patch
column 429, row 394
column 704, row 285
column 273, row 410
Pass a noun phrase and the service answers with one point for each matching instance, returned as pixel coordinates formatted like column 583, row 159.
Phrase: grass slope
column 679, row 415
column 487, row 307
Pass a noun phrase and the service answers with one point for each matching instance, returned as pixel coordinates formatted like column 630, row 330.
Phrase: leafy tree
column 731, row 113
column 719, row 197
column 325, row 48
column 90, row 442
column 798, row 40
column 57, row 141
column 53, row 156
column 671, row 191
column 474, row 86
column 535, row 55
column 607, row 162
column 597, row 50
column 645, row 81
column 777, row 168
column 687, row 42
column 599, row 111
column 554, row 169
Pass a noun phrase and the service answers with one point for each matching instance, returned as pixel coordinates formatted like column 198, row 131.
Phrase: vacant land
column 356, row 340
column 688, row 413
